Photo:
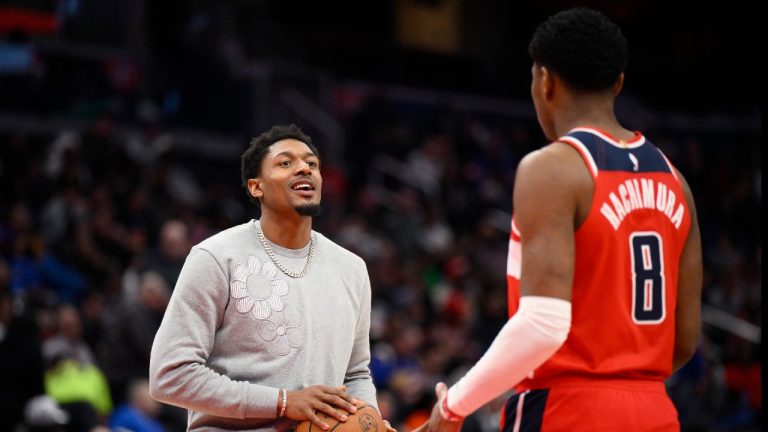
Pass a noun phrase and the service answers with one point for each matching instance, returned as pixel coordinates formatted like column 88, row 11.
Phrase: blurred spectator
column 437, row 237
column 27, row 248
column 168, row 259
column 81, row 390
column 43, row 414
column 67, row 343
column 61, row 277
column 405, row 220
column 140, row 413
column 61, row 212
column 21, row 362
column 743, row 380
column 129, row 331
column 93, row 311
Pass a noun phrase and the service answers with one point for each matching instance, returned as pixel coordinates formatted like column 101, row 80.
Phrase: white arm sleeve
column 530, row 337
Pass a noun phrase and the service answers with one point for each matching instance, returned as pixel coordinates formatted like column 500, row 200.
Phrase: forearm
column 179, row 372
column 358, row 376
column 528, row 339
column 194, row 386
column 678, row 362
column 683, row 353
column 363, row 389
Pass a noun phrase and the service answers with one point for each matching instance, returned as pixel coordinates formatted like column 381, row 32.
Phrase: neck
column 592, row 111
column 290, row 233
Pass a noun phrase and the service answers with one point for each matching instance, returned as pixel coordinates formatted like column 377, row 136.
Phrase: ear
column 254, row 187
column 547, row 83
column 619, row 84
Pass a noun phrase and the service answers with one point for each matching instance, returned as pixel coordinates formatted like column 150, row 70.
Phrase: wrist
column 446, row 412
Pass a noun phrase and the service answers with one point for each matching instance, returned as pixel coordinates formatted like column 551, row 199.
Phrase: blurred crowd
column 97, row 217
column 95, row 226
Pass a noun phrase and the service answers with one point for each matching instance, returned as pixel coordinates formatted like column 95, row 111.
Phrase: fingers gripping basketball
column 366, row 419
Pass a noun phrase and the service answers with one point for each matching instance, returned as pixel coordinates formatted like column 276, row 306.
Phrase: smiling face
column 290, row 179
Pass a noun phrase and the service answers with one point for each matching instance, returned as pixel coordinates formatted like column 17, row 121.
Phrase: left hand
column 389, row 426
column 436, row 422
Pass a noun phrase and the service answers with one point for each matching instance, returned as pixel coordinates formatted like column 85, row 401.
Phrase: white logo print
column 635, row 162
column 257, row 288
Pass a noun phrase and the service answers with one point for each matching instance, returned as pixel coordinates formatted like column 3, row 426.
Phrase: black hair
column 581, row 45
column 250, row 163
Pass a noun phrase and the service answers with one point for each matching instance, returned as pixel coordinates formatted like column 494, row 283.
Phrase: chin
column 311, row 210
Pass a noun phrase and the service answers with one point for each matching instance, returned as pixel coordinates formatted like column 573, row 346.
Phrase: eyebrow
column 290, row 154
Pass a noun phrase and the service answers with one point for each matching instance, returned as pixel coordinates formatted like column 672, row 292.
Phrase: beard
column 310, row 210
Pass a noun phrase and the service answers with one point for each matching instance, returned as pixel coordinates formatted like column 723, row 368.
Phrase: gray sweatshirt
column 237, row 329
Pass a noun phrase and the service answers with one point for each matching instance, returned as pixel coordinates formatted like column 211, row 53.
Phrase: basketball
column 366, row 419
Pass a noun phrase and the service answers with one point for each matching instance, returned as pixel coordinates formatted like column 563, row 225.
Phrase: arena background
column 121, row 126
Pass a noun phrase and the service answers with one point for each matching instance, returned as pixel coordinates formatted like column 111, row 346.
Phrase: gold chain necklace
column 280, row 265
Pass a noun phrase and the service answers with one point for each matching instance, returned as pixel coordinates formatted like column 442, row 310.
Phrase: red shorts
column 616, row 405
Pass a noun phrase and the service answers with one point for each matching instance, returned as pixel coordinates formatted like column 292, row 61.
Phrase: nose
column 303, row 168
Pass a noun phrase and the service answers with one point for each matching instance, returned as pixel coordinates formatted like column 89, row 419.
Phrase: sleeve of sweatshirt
column 358, row 377
column 178, row 371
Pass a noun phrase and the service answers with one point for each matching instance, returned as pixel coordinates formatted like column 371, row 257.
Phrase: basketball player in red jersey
column 604, row 262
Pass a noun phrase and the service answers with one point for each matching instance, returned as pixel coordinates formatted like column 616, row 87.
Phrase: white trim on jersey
column 515, row 228
column 669, row 164
column 519, row 412
column 514, row 258
column 584, row 152
column 610, row 140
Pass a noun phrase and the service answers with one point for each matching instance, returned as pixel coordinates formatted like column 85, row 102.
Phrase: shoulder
column 339, row 253
column 551, row 185
column 225, row 240
column 557, row 158
column 557, row 166
column 220, row 249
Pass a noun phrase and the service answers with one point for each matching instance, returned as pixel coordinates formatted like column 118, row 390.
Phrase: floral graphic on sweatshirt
column 282, row 331
column 257, row 289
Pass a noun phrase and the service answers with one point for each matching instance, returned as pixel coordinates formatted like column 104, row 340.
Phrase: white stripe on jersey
column 669, row 164
column 519, row 413
column 514, row 258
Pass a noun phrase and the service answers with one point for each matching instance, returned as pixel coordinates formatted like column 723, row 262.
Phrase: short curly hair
column 581, row 45
column 250, row 162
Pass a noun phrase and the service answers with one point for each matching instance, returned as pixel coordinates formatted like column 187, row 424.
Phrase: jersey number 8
column 645, row 248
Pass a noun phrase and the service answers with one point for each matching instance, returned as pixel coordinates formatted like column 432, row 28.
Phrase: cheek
column 271, row 188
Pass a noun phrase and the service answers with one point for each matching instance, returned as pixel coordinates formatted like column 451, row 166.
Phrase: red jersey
column 627, row 255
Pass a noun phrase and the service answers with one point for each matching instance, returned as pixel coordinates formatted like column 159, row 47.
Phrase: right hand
column 436, row 422
column 304, row 404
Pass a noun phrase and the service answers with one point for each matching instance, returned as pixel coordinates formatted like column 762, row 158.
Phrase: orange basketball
column 366, row 419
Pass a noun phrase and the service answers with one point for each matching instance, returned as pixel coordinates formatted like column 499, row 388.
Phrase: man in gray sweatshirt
column 269, row 320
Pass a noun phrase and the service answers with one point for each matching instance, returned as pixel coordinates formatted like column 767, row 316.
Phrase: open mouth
column 303, row 186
